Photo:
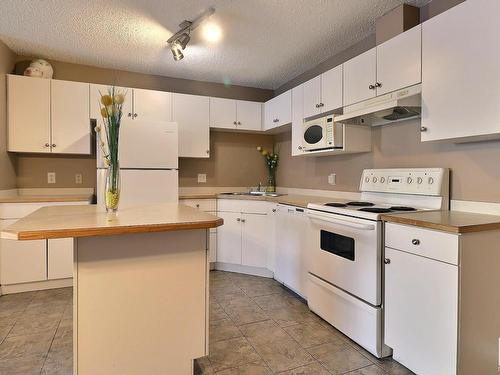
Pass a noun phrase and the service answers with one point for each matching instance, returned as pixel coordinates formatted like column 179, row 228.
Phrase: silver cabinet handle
column 129, row 114
column 208, row 152
column 300, row 147
column 243, row 220
column 234, row 122
column 135, row 115
column 378, row 84
column 238, row 219
column 53, row 145
column 239, row 123
column 275, row 120
column 317, row 105
column 321, row 104
column 387, row 261
column 47, row 145
column 371, row 87
column 423, row 128
column 274, row 209
column 415, row 241
column 197, row 206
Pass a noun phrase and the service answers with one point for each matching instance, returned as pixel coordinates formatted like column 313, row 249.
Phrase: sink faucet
column 259, row 187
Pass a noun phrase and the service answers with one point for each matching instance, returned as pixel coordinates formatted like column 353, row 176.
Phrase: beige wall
column 475, row 166
column 7, row 162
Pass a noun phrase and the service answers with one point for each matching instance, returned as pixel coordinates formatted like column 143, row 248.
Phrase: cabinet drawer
column 207, row 205
column 428, row 243
column 246, row 206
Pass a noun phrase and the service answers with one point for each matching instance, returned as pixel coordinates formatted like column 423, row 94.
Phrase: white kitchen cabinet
column 312, row 97
column 28, row 114
column 421, row 312
column 48, row 116
column 278, row 111
column 235, row 114
column 192, row 113
column 254, row 240
column 229, row 238
column 152, row 105
column 70, row 121
column 323, row 93
column 59, row 258
column 291, row 248
column 399, row 61
column 360, row 76
column 297, row 119
column 460, row 73
column 21, row 261
column 95, row 99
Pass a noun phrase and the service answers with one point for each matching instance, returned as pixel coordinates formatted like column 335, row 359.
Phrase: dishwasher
column 291, row 248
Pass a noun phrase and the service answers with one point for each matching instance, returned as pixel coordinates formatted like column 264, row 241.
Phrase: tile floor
column 256, row 327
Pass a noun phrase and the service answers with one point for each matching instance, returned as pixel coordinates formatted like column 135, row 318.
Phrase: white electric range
column 346, row 246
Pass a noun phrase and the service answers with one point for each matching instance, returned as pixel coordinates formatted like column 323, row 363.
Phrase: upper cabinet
column 390, row 66
column 48, row 116
column 235, row 114
column 191, row 112
column 323, row 93
column 399, row 61
column 360, row 77
column 460, row 73
column 278, row 111
column 297, row 119
column 139, row 103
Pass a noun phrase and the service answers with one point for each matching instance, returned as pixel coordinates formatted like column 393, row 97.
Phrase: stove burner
column 377, row 210
column 402, row 208
column 334, row 204
column 360, row 204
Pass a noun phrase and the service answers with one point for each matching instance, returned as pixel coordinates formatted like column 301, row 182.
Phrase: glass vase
column 112, row 187
column 271, row 182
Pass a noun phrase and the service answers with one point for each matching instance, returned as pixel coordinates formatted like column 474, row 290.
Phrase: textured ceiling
column 265, row 42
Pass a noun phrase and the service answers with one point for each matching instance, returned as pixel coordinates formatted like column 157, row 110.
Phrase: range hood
column 392, row 107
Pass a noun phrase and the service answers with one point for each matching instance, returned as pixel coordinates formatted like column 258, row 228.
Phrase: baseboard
column 38, row 285
column 249, row 270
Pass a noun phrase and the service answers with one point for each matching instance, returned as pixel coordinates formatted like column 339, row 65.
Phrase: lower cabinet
column 254, row 240
column 229, row 238
column 59, row 258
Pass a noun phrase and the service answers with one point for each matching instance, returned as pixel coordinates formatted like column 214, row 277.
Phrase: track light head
column 179, row 45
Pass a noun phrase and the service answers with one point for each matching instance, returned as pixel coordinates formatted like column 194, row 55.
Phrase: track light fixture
column 180, row 39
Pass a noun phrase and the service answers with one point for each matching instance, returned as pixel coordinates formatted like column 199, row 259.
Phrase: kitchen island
column 140, row 284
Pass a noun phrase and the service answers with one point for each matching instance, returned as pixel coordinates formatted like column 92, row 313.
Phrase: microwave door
column 313, row 137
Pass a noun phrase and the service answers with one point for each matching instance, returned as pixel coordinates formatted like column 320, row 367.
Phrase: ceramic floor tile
column 369, row 370
column 232, row 353
column 243, row 311
column 25, row 365
column 313, row 334
column 282, row 354
column 28, row 325
column 21, row 346
column 59, row 361
column 264, row 332
column 288, row 317
column 339, row 358
column 248, row 369
column 279, row 301
column 313, row 369
column 223, row 329
column 216, row 311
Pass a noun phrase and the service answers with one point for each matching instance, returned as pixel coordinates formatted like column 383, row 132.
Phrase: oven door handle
column 318, row 218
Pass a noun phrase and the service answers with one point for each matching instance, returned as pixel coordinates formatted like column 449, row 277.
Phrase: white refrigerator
column 148, row 156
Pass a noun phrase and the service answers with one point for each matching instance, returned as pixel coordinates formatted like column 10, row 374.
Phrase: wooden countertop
column 92, row 220
column 45, row 198
column 446, row 221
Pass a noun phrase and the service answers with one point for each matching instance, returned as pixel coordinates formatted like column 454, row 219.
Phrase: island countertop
column 88, row 221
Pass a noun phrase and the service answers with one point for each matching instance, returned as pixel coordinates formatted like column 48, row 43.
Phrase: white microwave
column 321, row 134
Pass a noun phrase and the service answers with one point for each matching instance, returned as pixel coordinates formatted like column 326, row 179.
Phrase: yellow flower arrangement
column 271, row 159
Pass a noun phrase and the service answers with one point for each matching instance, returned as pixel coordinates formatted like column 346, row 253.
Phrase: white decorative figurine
column 39, row 68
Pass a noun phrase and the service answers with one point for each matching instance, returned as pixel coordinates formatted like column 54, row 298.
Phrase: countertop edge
column 94, row 232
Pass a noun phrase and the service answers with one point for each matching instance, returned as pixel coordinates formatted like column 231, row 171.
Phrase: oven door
column 346, row 252
column 314, row 134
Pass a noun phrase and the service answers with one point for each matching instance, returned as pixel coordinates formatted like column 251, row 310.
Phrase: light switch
column 78, row 178
column 202, row 178
column 51, row 177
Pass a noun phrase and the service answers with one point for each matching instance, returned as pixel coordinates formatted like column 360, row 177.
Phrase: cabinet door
column 399, row 61
column 70, row 125
column 254, row 240
column 359, row 75
column 191, row 112
column 297, row 119
column 22, row 261
column 28, row 114
column 283, row 108
column 331, row 89
column 222, row 113
column 212, row 247
column 312, row 97
column 95, row 100
column 229, row 238
column 270, row 114
column 60, row 258
column 421, row 312
column 249, row 115
column 460, row 72
column 152, row 105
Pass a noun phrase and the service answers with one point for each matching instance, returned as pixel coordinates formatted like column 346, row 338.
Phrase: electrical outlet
column 78, row 178
column 202, row 178
column 51, row 177
column 332, row 179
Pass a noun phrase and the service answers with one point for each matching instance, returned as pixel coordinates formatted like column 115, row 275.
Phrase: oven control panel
column 421, row 181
